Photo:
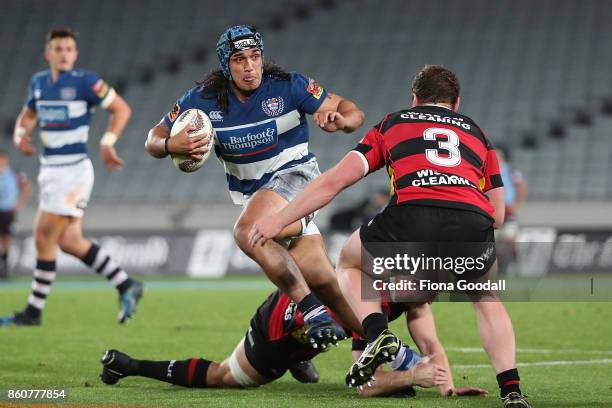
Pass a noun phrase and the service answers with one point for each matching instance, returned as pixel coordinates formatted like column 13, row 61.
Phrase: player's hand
column 24, row 145
column 264, row 229
column 189, row 145
column 429, row 375
column 330, row 121
column 110, row 158
column 469, row 392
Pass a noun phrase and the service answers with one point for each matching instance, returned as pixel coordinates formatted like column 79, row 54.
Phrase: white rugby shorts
column 65, row 189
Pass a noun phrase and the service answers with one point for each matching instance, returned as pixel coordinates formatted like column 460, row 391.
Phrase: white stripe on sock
column 46, row 275
column 36, row 302
column 314, row 312
column 119, row 278
column 42, row 288
column 109, row 268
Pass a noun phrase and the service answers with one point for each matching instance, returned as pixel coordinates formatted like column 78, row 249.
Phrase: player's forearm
column 24, row 124
column 155, row 144
column 353, row 115
column 439, row 358
column 387, row 383
column 496, row 196
column 120, row 115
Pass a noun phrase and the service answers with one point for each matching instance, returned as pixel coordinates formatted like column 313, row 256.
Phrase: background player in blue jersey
column 61, row 101
column 259, row 114
column 15, row 192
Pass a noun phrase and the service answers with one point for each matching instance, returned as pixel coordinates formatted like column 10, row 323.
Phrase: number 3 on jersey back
column 451, row 146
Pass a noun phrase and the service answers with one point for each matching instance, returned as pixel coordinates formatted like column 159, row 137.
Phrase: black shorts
column 7, row 218
column 432, row 232
column 264, row 355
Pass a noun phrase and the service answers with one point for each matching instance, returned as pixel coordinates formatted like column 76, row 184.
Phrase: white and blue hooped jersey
column 262, row 135
column 64, row 111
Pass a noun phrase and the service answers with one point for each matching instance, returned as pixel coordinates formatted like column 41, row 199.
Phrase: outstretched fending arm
column 337, row 113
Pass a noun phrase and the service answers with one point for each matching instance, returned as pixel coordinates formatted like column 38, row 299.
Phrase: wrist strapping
column 109, row 139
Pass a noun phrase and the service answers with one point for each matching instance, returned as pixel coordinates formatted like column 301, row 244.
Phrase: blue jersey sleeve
column 31, row 100
column 307, row 93
column 182, row 104
column 95, row 89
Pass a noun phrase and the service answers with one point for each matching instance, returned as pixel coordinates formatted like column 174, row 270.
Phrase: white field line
column 533, row 351
column 541, row 363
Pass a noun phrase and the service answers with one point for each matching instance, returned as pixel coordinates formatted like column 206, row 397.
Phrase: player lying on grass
column 275, row 343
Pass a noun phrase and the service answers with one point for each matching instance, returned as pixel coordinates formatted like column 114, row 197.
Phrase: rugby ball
column 201, row 125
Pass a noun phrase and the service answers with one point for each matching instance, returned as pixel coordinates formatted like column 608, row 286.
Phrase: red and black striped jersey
column 434, row 157
column 280, row 323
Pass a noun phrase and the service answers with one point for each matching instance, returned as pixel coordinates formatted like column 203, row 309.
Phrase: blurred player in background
column 61, row 101
column 515, row 195
column 15, row 192
column 274, row 343
column 447, row 188
column 259, row 114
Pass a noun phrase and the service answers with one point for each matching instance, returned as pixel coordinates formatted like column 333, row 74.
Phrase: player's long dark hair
column 215, row 85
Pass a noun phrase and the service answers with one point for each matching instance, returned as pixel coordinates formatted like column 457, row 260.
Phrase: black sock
column 186, row 373
column 508, row 381
column 373, row 325
column 310, row 306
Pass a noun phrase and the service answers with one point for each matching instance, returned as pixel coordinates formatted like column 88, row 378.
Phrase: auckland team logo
column 273, row 106
column 68, row 94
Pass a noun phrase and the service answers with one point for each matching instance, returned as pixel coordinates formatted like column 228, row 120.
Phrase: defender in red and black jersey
column 441, row 167
column 434, row 157
column 446, row 188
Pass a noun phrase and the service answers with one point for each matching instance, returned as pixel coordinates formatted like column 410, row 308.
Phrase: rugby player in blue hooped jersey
column 61, row 101
column 259, row 112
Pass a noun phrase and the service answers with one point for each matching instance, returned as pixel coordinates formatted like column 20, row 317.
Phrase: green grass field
column 178, row 320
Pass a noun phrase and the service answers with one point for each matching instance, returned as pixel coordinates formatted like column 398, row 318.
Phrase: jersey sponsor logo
column 432, row 117
column 100, row 88
column 68, row 94
column 53, row 116
column 431, row 178
column 215, row 116
column 273, row 106
column 173, row 114
column 258, row 140
column 37, row 93
column 314, row 88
